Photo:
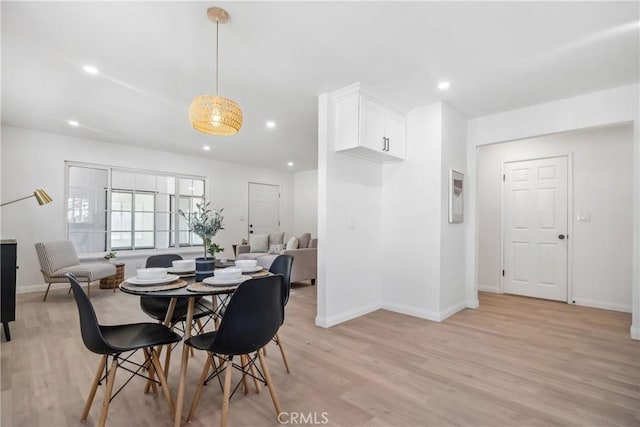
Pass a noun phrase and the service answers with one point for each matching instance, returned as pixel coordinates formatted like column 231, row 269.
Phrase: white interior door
column 264, row 208
column 535, row 228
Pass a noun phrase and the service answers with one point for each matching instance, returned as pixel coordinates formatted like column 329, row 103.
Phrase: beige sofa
column 305, row 258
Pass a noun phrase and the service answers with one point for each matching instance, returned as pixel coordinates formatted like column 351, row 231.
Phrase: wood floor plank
column 513, row 361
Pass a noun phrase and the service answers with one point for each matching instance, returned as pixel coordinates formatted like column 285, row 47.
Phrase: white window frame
column 175, row 238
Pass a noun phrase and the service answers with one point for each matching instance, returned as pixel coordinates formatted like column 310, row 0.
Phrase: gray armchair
column 60, row 257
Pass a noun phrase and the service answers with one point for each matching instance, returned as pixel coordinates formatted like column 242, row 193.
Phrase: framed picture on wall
column 456, row 196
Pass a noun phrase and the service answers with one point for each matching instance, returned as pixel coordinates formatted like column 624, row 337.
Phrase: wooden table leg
column 183, row 365
column 167, row 323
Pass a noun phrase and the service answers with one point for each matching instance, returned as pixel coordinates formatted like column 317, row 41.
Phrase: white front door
column 264, row 208
column 535, row 228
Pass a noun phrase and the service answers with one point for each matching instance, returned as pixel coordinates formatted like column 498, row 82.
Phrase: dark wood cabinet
column 8, row 258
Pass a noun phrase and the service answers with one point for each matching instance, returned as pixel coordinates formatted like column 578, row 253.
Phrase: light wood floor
column 514, row 361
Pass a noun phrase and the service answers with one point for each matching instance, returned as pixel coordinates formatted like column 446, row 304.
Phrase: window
column 123, row 209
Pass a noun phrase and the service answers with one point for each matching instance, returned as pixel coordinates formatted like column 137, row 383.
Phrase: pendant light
column 213, row 114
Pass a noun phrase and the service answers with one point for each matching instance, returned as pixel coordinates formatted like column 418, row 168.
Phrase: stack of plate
column 248, row 265
column 183, row 267
column 151, row 277
column 220, row 281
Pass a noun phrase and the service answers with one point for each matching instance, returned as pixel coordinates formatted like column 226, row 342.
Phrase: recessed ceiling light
column 206, row 148
column 290, row 164
column 271, row 124
column 443, row 85
column 90, row 69
column 73, row 123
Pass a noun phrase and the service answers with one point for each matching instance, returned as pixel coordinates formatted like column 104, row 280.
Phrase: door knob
column 561, row 236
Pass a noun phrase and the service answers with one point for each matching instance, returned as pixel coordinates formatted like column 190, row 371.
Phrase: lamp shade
column 42, row 197
column 215, row 115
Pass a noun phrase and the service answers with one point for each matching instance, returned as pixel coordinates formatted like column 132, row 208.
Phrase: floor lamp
column 41, row 196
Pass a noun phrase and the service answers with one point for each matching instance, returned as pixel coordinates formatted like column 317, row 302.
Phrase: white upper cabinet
column 367, row 127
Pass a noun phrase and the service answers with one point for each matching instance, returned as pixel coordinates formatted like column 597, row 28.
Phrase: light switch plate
column 584, row 217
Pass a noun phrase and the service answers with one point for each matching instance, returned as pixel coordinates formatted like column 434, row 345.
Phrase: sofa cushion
column 276, row 238
column 303, row 240
column 276, row 249
column 259, row 242
column 292, row 244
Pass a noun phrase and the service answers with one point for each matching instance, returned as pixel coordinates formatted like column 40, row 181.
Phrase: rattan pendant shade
column 213, row 114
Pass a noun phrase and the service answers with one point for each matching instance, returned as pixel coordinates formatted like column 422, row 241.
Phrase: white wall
column 602, row 108
column 349, row 192
column 410, row 226
column 305, row 202
column 452, row 237
column 602, row 182
column 399, row 211
column 32, row 159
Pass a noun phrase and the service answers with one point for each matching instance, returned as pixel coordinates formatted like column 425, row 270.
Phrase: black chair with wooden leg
column 252, row 318
column 156, row 308
column 282, row 265
column 120, row 342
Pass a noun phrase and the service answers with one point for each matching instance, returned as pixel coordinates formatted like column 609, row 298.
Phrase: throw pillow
column 276, row 249
column 276, row 238
column 292, row 243
column 303, row 240
column 259, row 242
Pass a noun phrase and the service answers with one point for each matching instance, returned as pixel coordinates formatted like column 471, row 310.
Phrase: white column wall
column 32, row 159
column 452, row 237
column 349, row 235
column 411, row 214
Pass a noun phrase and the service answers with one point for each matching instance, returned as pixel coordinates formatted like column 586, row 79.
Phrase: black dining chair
column 120, row 342
column 282, row 265
column 252, row 318
column 156, row 308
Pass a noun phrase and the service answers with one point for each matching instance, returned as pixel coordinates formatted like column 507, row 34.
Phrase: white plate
column 223, row 282
column 147, row 282
column 180, row 271
column 251, row 269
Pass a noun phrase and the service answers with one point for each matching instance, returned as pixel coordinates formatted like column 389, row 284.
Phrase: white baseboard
column 635, row 333
column 473, row 304
column 448, row 312
column 489, row 288
column 327, row 322
column 411, row 311
column 603, row 305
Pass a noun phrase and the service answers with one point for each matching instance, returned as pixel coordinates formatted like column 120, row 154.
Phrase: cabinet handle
column 388, row 143
column 384, row 143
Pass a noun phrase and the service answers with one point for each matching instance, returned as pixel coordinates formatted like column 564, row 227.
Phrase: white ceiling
column 277, row 57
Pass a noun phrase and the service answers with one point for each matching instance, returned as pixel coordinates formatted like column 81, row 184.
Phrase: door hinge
column 502, row 273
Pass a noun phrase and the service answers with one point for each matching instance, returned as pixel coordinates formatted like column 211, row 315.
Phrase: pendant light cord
column 217, row 38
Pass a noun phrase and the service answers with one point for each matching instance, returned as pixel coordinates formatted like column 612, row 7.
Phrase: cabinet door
column 395, row 130
column 371, row 125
